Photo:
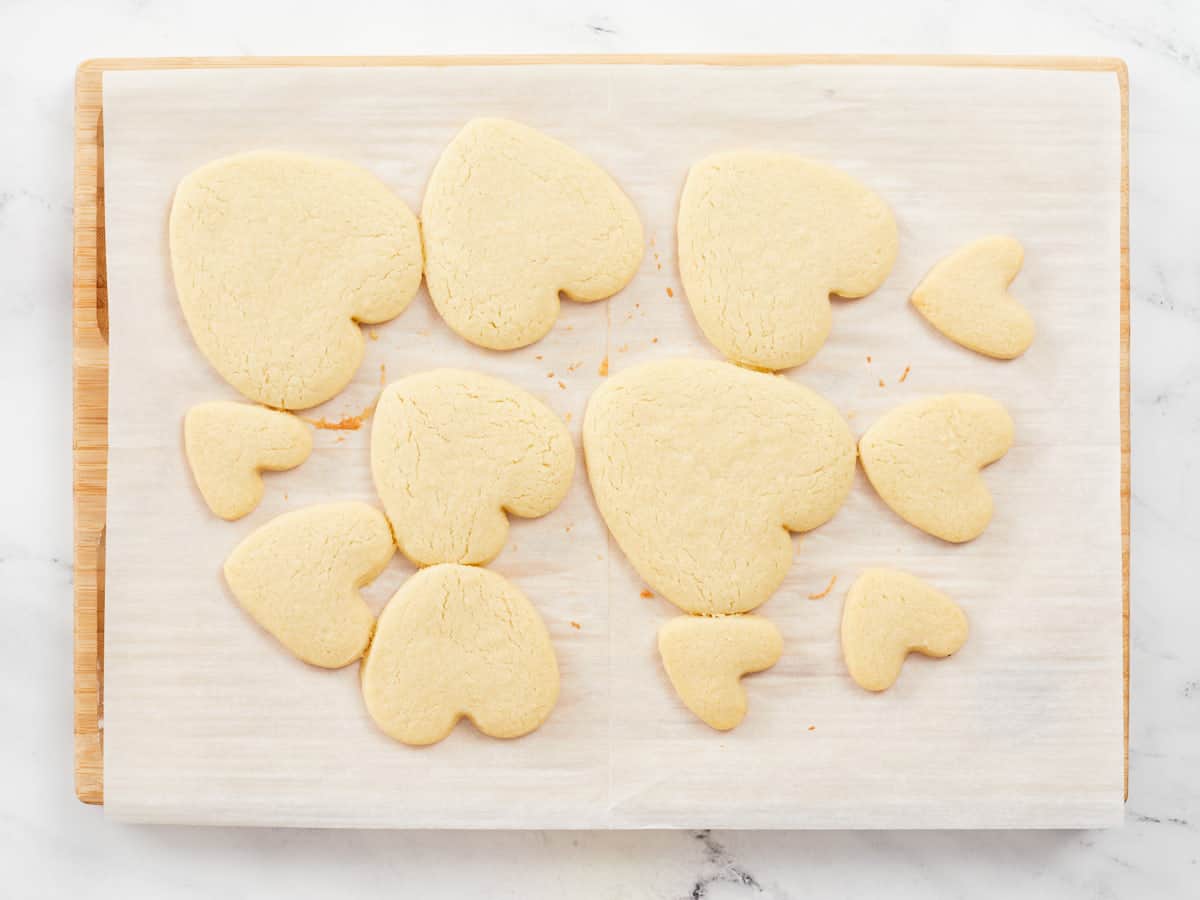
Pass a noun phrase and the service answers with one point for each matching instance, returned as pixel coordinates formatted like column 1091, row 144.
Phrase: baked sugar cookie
column 965, row 297
column 706, row 657
column 765, row 239
column 511, row 219
column 700, row 469
column 923, row 459
column 452, row 450
column 299, row 575
column 889, row 614
column 277, row 257
column 459, row 641
column 229, row 445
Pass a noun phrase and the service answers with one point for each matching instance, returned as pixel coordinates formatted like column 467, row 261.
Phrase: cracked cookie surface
column 701, row 469
column 511, row 218
column 765, row 239
column 459, row 641
column 453, row 450
column 277, row 257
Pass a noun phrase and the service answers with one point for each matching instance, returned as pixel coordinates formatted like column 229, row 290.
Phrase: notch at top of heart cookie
column 453, row 450
column 512, row 218
column 965, row 297
column 923, row 458
column 277, row 257
column 765, row 239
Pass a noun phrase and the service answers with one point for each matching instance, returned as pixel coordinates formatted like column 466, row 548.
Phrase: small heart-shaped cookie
column 459, row 641
column 923, row 459
column 965, row 297
column 700, row 469
column 299, row 575
column 229, row 445
column 511, row 218
column 765, row 239
column 277, row 257
column 452, row 450
column 889, row 614
column 706, row 657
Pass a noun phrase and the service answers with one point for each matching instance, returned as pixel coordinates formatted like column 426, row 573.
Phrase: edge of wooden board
column 90, row 319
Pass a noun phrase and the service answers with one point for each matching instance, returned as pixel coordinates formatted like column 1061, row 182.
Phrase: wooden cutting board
column 91, row 332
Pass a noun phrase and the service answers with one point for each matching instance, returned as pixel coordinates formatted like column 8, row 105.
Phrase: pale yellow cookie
column 965, row 297
column 700, row 469
column 452, row 450
column 229, row 445
column 765, row 239
column 277, row 257
column 459, row 641
column 299, row 575
column 706, row 657
column 889, row 614
column 511, row 219
column 923, row 459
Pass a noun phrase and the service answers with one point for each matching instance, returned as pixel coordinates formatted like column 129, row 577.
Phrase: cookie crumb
column 382, row 374
column 824, row 593
column 603, row 370
column 567, row 528
column 670, row 293
column 881, row 383
column 346, row 423
column 654, row 340
column 868, row 360
column 549, row 374
column 562, row 386
column 907, row 369
column 623, row 348
column 812, row 727
column 374, row 334
column 573, row 366
column 567, row 418
column 851, row 413
column 645, row 594
column 538, row 357
column 576, row 625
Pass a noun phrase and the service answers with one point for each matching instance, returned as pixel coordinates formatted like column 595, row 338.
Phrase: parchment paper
column 208, row 720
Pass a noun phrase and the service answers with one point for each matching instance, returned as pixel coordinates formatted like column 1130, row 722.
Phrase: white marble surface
column 51, row 846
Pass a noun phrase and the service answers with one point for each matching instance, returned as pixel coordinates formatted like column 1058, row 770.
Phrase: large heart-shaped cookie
column 459, row 641
column 511, row 219
column 277, row 257
column 701, row 469
column 706, row 657
column 923, row 459
column 452, row 450
column 889, row 614
column 299, row 575
column 965, row 297
column 230, row 444
column 765, row 239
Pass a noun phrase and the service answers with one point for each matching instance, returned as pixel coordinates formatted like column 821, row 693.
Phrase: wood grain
column 90, row 321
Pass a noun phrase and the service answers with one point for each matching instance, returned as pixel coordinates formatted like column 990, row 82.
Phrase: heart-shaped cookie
column 923, row 459
column 451, row 450
column 706, row 657
column 765, row 239
column 299, row 574
column 889, row 614
column 700, row 469
column 965, row 297
column 277, row 257
column 511, row 219
column 459, row 641
column 229, row 445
